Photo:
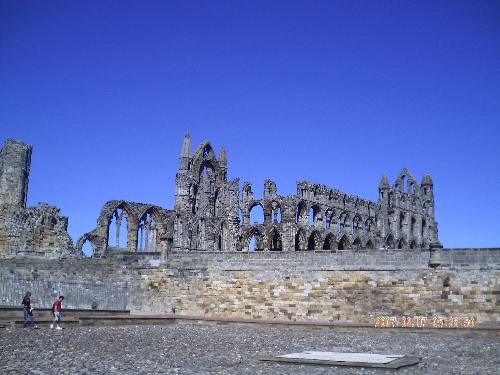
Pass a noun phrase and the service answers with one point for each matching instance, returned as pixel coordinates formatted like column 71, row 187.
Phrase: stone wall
column 347, row 286
column 84, row 283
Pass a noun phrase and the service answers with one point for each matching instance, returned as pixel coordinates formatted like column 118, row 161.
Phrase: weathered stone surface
column 301, row 286
column 212, row 214
column 38, row 231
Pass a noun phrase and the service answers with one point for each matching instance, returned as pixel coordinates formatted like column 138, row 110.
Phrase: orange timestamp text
column 424, row 321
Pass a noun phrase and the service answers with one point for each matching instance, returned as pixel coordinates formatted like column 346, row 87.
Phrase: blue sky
column 334, row 92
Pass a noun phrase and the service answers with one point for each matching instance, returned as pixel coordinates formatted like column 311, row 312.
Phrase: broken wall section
column 37, row 231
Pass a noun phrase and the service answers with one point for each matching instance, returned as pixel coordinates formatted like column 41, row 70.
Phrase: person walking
column 28, row 311
column 57, row 308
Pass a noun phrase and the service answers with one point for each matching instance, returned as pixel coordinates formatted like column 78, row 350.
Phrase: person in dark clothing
column 28, row 311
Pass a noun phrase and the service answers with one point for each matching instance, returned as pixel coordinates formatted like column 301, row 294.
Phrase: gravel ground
column 196, row 349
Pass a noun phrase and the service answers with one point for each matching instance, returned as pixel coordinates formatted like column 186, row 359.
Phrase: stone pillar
column 15, row 160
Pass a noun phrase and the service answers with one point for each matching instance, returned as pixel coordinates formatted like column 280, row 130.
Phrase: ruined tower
column 407, row 212
column 36, row 231
column 15, row 160
column 206, row 204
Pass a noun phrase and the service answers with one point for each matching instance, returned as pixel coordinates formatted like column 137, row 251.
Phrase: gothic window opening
column 300, row 241
column 219, row 238
column 255, row 242
column 356, row 245
column 206, row 151
column 330, row 243
column 402, row 219
column 193, row 193
column 117, row 229
column 276, row 244
column 356, row 225
column 389, row 243
column 314, row 215
column 207, row 169
column 301, row 214
column 327, row 221
column 423, row 229
column 343, row 222
column 275, row 213
column 88, row 249
column 312, row 242
column 402, row 184
column 343, row 243
column 146, row 233
column 256, row 214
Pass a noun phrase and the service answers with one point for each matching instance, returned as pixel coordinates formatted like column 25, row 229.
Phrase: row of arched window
column 146, row 234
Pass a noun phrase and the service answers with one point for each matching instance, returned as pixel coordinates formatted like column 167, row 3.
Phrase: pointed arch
column 369, row 244
column 108, row 215
column 413, row 244
column 90, row 239
column 204, row 160
column 343, row 243
column 314, row 241
column 254, row 239
column 117, row 235
column 389, row 242
column 256, row 215
column 330, row 243
column 153, row 210
column 275, row 242
column 300, row 240
column 204, row 150
column 405, row 182
column 356, row 244
column 147, row 230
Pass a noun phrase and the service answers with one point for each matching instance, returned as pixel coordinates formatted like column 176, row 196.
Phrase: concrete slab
column 392, row 361
column 344, row 357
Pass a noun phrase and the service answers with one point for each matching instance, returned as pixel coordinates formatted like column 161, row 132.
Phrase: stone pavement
column 203, row 349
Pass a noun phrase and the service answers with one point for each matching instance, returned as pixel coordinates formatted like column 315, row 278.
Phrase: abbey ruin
column 212, row 214
column 320, row 254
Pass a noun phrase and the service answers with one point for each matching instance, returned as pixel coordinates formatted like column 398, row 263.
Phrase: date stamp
column 425, row 322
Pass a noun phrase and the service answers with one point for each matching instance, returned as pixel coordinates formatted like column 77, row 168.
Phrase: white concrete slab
column 344, row 357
